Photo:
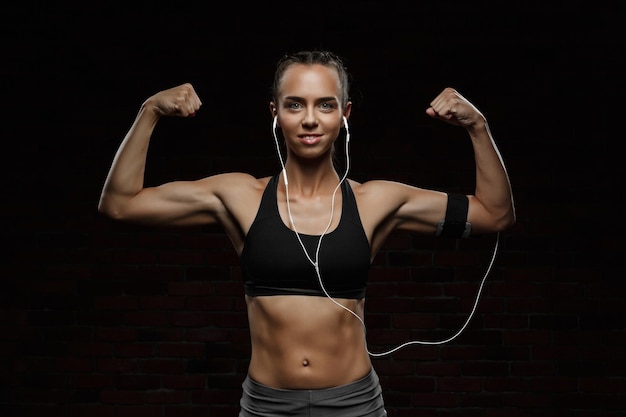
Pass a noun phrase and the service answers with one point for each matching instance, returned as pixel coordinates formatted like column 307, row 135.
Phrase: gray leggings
column 362, row 398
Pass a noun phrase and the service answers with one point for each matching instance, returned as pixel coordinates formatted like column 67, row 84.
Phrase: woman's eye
column 294, row 106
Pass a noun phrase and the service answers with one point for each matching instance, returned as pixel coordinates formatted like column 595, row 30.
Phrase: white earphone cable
column 315, row 262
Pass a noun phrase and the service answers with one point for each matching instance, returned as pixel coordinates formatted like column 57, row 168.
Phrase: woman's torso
column 306, row 341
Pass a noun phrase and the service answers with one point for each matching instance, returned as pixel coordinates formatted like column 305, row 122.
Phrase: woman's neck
column 311, row 177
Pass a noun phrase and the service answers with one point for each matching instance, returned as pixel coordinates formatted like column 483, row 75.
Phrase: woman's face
column 309, row 109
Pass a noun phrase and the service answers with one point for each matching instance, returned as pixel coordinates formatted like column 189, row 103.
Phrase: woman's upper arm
column 389, row 205
column 424, row 209
column 177, row 203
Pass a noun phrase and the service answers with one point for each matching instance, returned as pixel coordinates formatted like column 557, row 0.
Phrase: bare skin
column 303, row 342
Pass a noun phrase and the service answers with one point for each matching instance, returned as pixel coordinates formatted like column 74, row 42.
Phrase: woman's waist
column 305, row 368
column 306, row 342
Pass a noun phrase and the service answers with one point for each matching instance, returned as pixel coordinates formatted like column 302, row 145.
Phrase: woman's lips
column 310, row 139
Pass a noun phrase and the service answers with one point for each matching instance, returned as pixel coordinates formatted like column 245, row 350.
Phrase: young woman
column 307, row 235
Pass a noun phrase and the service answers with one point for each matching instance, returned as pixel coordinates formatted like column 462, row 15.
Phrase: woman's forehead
column 306, row 80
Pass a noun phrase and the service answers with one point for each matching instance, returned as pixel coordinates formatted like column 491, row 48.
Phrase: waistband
column 369, row 382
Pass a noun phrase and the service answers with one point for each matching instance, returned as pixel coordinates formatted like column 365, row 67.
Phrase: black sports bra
column 273, row 262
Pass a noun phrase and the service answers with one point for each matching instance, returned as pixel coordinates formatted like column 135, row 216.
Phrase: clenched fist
column 179, row 101
column 451, row 107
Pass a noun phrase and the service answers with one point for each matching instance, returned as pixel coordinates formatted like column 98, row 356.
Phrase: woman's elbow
column 109, row 209
column 506, row 221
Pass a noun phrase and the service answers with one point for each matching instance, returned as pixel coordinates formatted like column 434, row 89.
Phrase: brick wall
column 103, row 319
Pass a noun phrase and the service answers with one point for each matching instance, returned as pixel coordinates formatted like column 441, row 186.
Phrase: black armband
column 455, row 224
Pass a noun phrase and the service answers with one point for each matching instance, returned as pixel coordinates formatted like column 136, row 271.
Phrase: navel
column 305, row 362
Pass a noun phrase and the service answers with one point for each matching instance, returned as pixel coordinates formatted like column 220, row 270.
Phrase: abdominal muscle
column 306, row 342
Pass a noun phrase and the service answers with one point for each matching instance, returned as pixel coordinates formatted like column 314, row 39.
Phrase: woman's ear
column 347, row 110
column 273, row 109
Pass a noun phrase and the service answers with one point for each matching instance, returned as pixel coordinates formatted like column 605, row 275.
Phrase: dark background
column 103, row 319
